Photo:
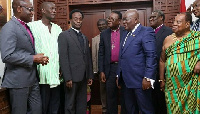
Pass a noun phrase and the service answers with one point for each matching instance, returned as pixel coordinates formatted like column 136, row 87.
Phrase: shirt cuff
column 117, row 76
column 152, row 81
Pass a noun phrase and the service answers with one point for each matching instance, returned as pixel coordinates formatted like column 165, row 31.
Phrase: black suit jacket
column 160, row 37
column 74, row 62
column 104, row 56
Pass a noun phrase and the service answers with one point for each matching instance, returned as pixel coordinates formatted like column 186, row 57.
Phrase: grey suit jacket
column 17, row 53
column 74, row 63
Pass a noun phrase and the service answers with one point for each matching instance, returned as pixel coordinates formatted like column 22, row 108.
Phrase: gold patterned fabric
column 182, row 88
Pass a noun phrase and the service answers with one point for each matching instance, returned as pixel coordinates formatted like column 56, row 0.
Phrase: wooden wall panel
column 61, row 15
column 37, row 7
column 80, row 2
column 170, row 7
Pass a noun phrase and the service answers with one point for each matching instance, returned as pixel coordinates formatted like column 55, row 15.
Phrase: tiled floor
column 96, row 109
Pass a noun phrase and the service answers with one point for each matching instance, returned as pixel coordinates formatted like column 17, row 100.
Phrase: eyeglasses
column 29, row 9
column 126, row 19
column 111, row 19
column 153, row 18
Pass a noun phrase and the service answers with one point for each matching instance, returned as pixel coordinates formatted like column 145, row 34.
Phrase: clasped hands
column 41, row 59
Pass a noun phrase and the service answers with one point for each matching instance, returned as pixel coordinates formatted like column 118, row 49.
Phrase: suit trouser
column 76, row 98
column 136, row 97
column 26, row 99
column 50, row 99
column 159, row 99
column 103, row 95
column 122, row 99
column 112, row 91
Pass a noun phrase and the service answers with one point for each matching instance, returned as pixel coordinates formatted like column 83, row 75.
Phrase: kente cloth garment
column 182, row 87
column 46, row 42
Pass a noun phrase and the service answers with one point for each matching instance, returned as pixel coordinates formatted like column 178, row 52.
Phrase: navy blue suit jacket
column 138, row 57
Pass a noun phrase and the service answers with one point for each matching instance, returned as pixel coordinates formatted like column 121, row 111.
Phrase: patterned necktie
column 196, row 25
column 129, row 33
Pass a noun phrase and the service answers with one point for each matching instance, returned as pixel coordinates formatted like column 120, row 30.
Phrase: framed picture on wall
column 5, row 11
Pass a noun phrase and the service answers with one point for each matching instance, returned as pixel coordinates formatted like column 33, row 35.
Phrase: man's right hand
column 103, row 77
column 41, row 59
column 162, row 86
column 117, row 80
column 69, row 84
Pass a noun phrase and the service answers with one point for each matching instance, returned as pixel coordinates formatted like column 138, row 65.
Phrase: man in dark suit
column 156, row 21
column 108, row 60
column 195, row 9
column 18, row 54
column 76, row 64
column 137, row 64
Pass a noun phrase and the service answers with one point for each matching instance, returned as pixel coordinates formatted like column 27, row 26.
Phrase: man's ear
column 43, row 10
column 187, row 24
column 161, row 18
column 19, row 9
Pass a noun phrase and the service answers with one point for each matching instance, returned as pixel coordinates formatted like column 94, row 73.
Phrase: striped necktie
column 196, row 25
column 129, row 33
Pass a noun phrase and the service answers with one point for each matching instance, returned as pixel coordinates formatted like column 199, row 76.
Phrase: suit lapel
column 75, row 38
column 122, row 31
column 24, row 30
column 131, row 38
column 109, row 40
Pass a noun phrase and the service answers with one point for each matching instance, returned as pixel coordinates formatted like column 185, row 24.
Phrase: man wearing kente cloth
column 180, row 60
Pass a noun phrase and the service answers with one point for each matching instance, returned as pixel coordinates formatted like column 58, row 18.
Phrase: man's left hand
column 146, row 84
column 89, row 82
column 197, row 68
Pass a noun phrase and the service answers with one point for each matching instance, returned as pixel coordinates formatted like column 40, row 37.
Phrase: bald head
column 48, row 11
column 23, row 10
column 133, row 12
column 17, row 3
column 44, row 5
column 130, row 19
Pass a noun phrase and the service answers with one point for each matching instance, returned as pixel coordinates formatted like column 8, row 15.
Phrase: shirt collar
column 22, row 22
column 158, row 27
column 135, row 27
column 75, row 30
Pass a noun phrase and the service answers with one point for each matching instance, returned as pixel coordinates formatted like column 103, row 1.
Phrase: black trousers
column 159, row 99
column 112, row 91
column 76, row 98
column 50, row 99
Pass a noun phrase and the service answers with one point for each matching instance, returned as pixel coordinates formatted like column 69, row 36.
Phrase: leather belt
column 114, row 62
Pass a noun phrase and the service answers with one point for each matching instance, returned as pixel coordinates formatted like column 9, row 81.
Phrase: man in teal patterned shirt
column 46, row 34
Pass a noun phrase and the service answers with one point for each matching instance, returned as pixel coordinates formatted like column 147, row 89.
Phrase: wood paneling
column 37, row 7
column 61, row 15
column 89, row 27
column 170, row 7
column 80, row 2
column 4, row 101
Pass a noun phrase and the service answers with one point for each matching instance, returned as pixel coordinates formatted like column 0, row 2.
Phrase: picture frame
column 5, row 12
